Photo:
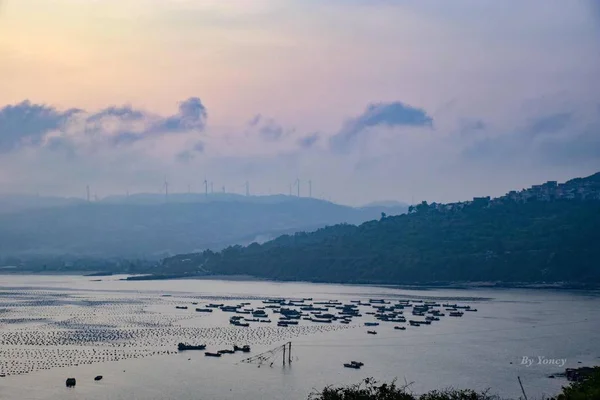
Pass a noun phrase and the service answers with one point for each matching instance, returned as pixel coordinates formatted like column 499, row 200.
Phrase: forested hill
column 506, row 241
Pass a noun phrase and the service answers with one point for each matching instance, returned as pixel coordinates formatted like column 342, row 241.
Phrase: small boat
column 244, row 349
column 456, row 314
column 344, row 322
column 195, row 303
column 185, row 346
column 98, row 378
column 209, row 354
column 371, row 323
column 400, row 328
column 226, row 351
column 321, row 320
column 181, row 307
column 351, row 365
column 372, row 332
column 471, row 309
column 207, row 310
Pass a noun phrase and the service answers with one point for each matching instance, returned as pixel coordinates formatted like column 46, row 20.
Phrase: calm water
column 127, row 332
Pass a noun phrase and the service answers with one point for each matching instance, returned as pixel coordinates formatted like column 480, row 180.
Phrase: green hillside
column 506, row 241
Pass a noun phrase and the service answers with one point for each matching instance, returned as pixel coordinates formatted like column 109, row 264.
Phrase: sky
column 369, row 100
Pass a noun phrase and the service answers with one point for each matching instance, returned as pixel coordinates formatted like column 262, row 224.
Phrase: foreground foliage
column 588, row 389
column 370, row 389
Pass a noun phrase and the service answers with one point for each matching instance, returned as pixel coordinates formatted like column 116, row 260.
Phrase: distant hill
column 549, row 233
column 16, row 203
column 146, row 226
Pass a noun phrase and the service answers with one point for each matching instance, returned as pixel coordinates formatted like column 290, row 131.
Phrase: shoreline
column 408, row 286
column 250, row 278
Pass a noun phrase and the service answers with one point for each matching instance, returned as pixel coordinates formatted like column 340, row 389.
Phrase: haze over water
column 475, row 351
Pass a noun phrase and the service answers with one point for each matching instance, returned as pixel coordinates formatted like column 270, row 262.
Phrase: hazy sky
column 370, row 99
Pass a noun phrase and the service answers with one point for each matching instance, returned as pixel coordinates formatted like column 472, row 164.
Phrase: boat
column 226, row 351
column 353, row 364
column 322, row 320
column 456, row 314
column 471, row 309
column 371, row 323
column 344, row 322
column 181, row 307
column 372, row 332
column 207, row 310
column 400, row 328
column 209, row 354
column 244, row 349
column 185, row 346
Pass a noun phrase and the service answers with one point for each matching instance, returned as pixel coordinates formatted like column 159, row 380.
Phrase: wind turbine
column 166, row 190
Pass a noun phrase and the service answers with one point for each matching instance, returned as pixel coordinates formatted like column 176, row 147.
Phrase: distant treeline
column 552, row 241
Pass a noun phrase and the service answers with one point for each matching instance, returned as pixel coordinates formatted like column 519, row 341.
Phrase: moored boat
column 245, row 348
column 186, row 346
column 354, row 364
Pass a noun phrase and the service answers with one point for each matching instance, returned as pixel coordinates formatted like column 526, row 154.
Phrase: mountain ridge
column 544, row 234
